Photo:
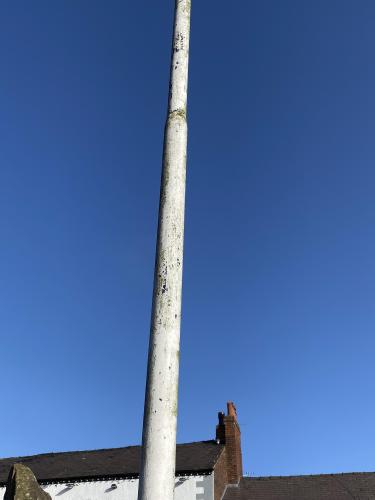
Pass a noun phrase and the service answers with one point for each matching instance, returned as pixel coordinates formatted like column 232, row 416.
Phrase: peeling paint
column 177, row 113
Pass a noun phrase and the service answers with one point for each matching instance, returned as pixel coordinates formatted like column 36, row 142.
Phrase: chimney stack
column 228, row 433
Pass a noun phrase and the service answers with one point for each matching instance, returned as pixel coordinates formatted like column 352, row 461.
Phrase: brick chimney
column 228, row 433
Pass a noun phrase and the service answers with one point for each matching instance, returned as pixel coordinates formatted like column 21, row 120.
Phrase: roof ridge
column 94, row 450
column 325, row 474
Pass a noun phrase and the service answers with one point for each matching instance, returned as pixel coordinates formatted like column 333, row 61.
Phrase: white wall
column 186, row 488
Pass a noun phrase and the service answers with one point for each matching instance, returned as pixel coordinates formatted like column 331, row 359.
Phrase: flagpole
column 157, row 475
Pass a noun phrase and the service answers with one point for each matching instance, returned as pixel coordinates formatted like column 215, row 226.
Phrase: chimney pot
column 232, row 411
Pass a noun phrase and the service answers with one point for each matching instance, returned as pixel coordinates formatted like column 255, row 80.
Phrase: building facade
column 205, row 470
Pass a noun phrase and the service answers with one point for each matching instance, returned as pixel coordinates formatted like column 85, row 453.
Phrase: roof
column 358, row 485
column 199, row 457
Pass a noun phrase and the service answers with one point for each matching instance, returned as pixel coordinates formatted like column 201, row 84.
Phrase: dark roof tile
column 358, row 485
column 113, row 462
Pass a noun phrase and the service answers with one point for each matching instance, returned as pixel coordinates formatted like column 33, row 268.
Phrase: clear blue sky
column 279, row 277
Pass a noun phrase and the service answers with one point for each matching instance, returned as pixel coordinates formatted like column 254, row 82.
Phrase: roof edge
column 111, row 477
column 325, row 474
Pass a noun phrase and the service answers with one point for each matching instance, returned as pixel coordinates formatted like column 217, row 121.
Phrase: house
column 206, row 470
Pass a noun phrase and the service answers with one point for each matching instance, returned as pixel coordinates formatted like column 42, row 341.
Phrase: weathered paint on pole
column 160, row 415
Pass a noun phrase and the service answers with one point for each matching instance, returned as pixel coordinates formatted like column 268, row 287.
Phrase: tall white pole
column 160, row 414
